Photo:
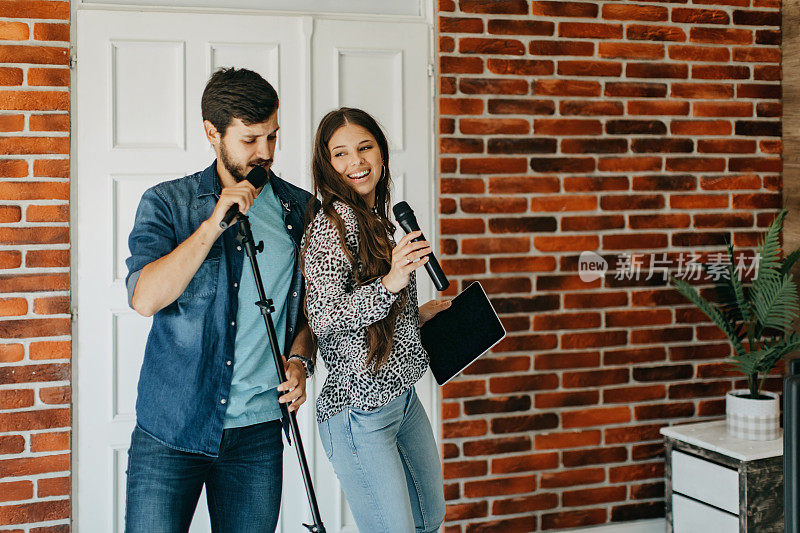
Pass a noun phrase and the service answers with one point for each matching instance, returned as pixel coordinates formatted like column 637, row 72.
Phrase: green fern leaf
column 711, row 312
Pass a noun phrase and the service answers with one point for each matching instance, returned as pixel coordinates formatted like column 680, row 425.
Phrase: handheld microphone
column 257, row 177
column 405, row 217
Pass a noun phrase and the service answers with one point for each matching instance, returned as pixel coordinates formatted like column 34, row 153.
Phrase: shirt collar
column 281, row 190
column 209, row 181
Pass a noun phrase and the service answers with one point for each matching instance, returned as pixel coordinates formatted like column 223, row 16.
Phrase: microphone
column 405, row 217
column 257, row 177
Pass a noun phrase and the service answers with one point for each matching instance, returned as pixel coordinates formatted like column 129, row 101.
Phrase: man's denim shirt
column 188, row 361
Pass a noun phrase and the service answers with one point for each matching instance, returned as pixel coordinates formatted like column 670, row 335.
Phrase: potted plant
column 758, row 320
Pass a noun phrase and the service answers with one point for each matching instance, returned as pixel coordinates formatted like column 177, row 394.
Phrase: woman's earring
column 383, row 171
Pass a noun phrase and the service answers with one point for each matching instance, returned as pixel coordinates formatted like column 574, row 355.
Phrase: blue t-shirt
column 254, row 397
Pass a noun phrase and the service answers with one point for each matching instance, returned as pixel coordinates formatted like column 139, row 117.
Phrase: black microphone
column 405, row 217
column 257, row 177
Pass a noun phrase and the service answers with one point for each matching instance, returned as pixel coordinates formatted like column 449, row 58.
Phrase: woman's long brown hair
column 375, row 228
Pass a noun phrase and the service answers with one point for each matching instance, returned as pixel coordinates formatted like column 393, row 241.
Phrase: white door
column 139, row 82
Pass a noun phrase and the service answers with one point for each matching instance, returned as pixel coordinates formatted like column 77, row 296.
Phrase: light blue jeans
column 388, row 465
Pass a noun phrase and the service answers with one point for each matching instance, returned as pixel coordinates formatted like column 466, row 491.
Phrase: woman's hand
column 431, row 309
column 407, row 256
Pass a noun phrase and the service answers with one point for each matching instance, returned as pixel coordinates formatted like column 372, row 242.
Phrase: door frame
column 427, row 7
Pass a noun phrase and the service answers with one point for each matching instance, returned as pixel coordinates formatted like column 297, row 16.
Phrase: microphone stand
column 265, row 306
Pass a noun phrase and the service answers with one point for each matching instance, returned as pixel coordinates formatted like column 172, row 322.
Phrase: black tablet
column 460, row 334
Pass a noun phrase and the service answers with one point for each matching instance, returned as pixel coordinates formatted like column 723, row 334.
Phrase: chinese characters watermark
column 688, row 266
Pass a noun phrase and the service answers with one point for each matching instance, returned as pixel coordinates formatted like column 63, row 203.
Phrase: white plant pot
column 753, row 419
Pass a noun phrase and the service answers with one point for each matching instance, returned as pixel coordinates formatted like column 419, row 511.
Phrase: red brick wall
column 34, row 266
column 607, row 126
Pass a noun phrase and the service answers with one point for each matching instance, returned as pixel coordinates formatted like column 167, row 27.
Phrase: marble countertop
column 714, row 437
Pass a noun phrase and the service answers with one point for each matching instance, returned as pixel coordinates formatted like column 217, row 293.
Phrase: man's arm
column 295, row 383
column 304, row 341
column 163, row 280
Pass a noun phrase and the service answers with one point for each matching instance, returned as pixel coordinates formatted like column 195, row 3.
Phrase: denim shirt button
column 239, row 248
column 233, row 323
column 235, row 284
column 223, row 401
column 289, row 226
column 227, row 363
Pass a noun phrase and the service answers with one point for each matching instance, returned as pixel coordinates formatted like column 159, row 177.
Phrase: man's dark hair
column 239, row 93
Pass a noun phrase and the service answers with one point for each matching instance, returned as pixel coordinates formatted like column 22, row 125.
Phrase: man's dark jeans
column 243, row 484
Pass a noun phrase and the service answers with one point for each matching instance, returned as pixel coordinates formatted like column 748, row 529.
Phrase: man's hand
column 243, row 194
column 295, row 384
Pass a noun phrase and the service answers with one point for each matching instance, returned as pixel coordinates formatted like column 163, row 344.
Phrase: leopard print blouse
column 339, row 313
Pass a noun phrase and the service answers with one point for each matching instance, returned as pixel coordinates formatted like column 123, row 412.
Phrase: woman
column 362, row 306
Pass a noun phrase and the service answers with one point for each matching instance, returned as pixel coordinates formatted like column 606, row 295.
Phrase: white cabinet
column 720, row 484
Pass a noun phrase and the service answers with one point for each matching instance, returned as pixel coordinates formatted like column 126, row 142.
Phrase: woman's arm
column 331, row 307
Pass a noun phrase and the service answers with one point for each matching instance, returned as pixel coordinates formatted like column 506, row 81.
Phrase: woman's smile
column 360, row 175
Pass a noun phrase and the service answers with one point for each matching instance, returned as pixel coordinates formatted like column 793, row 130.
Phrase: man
column 208, row 409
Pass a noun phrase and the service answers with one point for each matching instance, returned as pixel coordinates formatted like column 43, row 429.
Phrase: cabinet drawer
column 705, row 481
column 689, row 516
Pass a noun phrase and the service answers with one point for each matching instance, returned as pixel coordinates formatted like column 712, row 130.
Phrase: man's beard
column 239, row 172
